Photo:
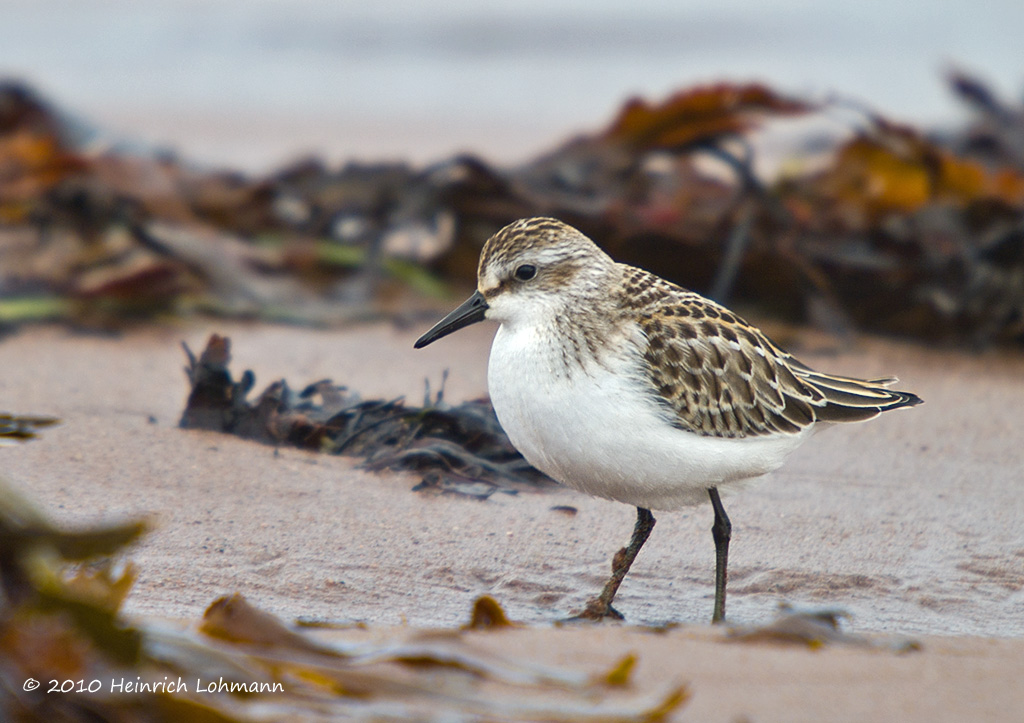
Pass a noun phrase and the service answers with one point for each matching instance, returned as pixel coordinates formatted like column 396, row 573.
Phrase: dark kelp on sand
column 460, row 449
column 883, row 226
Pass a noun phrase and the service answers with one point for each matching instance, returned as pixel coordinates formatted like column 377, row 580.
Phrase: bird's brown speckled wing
column 724, row 378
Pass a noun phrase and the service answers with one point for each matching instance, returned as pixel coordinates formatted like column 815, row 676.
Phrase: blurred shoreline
column 253, row 85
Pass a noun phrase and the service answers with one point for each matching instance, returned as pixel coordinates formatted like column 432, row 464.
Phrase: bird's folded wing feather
column 722, row 377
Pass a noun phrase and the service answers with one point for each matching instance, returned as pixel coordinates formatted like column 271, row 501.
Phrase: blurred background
column 324, row 161
column 251, row 84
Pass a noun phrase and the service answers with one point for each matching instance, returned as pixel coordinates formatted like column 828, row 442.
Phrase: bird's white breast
column 598, row 427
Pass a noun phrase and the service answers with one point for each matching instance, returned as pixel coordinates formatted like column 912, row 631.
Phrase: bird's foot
column 596, row 610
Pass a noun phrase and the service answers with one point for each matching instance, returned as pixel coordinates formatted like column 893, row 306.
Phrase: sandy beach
column 910, row 524
column 910, row 527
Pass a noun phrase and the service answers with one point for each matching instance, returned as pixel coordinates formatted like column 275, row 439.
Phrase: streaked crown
column 542, row 255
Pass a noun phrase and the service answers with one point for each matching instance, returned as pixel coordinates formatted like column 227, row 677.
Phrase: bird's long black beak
column 468, row 312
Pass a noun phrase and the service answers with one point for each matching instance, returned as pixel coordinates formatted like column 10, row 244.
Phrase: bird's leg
column 722, row 532
column 601, row 606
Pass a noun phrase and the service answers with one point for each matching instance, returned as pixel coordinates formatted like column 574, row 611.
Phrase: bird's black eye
column 526, row 272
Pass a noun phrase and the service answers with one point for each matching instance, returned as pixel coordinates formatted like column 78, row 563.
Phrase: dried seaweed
column 21, row 428
column 415, row 676
column 698, row 115
column 814, row 629
column 487, row 615
column 457, row 449
column 889, row 228
column 995, row 134
column 52, row 613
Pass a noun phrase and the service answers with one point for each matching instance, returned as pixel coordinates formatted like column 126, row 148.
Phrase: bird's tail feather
column 854, row 400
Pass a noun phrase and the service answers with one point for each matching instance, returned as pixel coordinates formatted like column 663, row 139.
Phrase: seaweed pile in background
column 457, row 449
column 68, row 654
column 858, row 222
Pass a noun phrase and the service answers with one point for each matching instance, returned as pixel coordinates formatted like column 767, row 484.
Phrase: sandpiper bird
column 620, row 384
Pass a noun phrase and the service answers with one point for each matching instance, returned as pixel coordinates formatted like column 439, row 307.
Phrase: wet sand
column 911, row 523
